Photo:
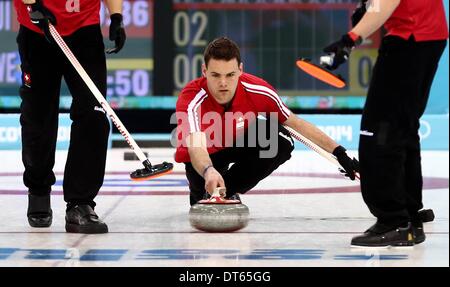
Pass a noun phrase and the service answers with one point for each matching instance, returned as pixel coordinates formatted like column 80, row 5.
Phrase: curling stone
column 219, row 215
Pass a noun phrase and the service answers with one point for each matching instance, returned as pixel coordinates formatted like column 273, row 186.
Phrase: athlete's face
column 222, row 78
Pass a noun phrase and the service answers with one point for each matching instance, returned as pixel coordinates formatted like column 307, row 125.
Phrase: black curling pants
column 43, row 66
column 248, row 168
column 389, row 148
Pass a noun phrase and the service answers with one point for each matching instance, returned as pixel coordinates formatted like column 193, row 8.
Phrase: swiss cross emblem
column 27, row 79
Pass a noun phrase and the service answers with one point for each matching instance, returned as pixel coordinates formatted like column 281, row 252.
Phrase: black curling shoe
column 399, row 236
column 39, row 213
column 419, row 234
column 83, row 219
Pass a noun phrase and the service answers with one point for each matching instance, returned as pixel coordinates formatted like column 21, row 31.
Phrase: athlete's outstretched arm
column 314, row 134
column 116, row 29
column 311, row 132
column 377, row 14
column 201, row 161
column 114, row 6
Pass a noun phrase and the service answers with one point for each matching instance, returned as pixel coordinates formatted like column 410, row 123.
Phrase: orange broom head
column 320, row 73
column 151, row 176
column 152, row 172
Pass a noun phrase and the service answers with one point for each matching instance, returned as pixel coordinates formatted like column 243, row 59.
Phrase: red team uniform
column 69, row 19
column 43, row 66
column 423, row 20
column 389, row 147
column 253, row 95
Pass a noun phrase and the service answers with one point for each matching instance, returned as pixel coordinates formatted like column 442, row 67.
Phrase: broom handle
column 97, row 94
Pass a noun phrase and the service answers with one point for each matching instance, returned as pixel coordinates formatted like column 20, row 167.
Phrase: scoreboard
column 271, row 35
column 166, row 40
column 129, row 71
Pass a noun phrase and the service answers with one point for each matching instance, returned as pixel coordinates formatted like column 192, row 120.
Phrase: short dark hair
column 222, row 49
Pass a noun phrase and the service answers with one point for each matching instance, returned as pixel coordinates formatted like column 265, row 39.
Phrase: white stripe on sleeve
column 263, row 90
column 194, row 120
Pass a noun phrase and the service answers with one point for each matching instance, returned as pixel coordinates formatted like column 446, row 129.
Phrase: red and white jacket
column 198, row 111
